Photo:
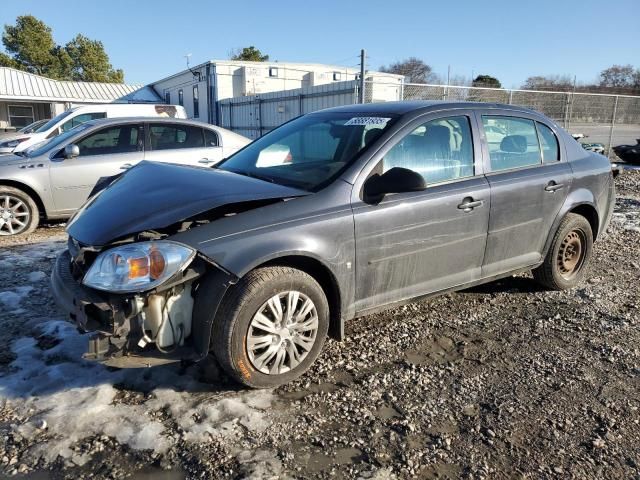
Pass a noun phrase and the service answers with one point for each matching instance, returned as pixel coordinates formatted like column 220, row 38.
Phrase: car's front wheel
column 270, row 327
column 566, row 262
column 18, row 212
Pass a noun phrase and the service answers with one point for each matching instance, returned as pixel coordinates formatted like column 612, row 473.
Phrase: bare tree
column 414, row 69
column 620, row 76
column 558, row 83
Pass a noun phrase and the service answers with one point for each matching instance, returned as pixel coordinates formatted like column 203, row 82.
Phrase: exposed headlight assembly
column 138, row 266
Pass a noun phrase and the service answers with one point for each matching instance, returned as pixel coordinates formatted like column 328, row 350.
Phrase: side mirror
column 71, row 151
column 395, row 180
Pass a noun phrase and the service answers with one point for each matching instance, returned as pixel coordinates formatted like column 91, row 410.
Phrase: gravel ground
column 505, row 380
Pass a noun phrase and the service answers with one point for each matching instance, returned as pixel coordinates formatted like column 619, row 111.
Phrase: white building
column 199, row 89
column 25, row 98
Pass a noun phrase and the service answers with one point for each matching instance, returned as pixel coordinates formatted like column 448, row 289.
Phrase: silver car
column 55, row 179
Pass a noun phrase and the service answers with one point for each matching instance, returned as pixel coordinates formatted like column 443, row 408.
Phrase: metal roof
column 19, row 85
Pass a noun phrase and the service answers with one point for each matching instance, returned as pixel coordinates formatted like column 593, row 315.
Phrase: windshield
column 31, row 127
column 53, row 121
column 309, row 152
column 39, row 149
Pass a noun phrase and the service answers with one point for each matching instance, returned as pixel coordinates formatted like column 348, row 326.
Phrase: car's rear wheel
column 566, row 262
column 18, row 212
column 270, row 327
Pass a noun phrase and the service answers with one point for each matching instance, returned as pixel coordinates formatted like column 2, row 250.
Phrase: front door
column 411, row 244
column 529, row 181
column 103, row 153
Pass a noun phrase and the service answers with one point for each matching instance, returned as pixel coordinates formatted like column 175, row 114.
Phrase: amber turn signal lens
column 157, row 264
column 138, row 267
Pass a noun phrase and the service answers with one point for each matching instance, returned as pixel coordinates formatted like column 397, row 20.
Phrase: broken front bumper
column 113, row 319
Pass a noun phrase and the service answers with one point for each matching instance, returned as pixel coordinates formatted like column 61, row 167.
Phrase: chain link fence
column 607, row 119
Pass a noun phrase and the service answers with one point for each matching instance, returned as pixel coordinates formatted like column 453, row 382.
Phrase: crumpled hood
column 154, row 195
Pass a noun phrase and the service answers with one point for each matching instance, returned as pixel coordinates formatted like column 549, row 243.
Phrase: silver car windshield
column 54, row 121
column 55, row 141
column 310, row 152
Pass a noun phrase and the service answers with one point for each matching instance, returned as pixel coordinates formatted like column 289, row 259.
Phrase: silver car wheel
column 282, row 333
column 14, row 215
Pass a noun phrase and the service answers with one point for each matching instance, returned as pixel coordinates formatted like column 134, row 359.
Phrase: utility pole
column 362, row 68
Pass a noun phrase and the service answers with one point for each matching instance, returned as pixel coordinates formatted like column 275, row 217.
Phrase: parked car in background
column 32, row 127
column 56, row 179
column 629, row 153
column 21, row 141
column 328, row 217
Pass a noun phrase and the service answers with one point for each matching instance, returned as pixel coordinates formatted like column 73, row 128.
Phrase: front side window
column 311, row 151
column 439, row 150
column 512, row 141
column 170, row 136
column 196, row 102
column 112, row 140
column 79, row 119
column 549, row 143
column 20, row 116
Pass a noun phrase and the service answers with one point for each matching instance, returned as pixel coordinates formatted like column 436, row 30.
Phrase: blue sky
column 508, row 39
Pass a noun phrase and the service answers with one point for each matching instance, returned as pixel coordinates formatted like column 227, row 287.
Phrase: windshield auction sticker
column 367, row 121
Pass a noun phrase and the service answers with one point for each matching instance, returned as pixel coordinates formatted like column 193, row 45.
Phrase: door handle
column 552, row 186
column 206, row 161
column 469, row 204
column 125, row 166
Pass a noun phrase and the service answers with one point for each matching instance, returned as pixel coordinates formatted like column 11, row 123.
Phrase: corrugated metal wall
column 255, row 115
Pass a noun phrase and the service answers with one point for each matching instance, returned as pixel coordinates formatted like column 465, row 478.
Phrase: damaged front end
column 139, row 325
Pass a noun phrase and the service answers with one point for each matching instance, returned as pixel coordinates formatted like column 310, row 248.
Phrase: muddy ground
column 506, row 380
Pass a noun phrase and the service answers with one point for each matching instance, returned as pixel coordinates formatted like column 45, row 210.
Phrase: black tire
column 237, row 310
column 556, row 272
column 28, row 212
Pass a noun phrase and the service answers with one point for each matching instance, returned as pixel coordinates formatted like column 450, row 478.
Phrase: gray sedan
column 331, row 216
column 52, row 181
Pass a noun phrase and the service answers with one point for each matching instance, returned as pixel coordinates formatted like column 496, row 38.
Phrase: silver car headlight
column 138, row 266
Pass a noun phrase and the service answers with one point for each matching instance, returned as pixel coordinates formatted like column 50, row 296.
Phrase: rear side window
column 549, row 143
column 171, row 136
column 439, row 150
column 79, row 119
column 113, row 140
column 210, row 138
column 512, row 141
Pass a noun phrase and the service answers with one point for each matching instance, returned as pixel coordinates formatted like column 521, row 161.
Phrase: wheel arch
column 585, row 209
column 29, row 191
column 322, row 274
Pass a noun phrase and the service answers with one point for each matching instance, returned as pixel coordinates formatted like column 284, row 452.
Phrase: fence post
column 300, row 104
column 566, row 112
column 613, row 123
column 510, row 97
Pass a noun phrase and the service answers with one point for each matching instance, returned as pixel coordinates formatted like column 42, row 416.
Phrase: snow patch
column 35, row 277
column 12, row 299
column 76, row 399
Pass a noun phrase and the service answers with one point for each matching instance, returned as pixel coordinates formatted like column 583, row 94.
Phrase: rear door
column 103, row 153
column 415, row 243
column 529, row 179
column 182, row 143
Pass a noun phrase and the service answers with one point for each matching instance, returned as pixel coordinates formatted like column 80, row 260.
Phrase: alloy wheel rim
column 571, row 254
column 282, row 333
column 14, row 215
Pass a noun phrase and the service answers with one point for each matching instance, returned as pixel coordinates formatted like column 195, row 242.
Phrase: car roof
column 121, row 120
column 420, row 106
